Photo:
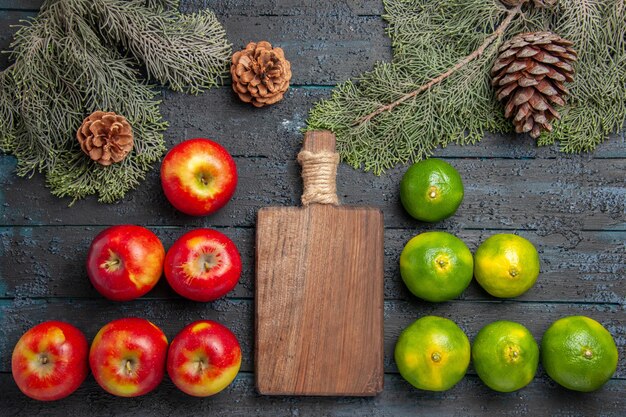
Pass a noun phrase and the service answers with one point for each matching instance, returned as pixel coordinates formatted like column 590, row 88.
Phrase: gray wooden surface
column 571, row 207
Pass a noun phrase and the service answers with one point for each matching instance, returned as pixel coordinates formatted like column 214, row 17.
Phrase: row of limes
column 433, row 353
column 438, row 266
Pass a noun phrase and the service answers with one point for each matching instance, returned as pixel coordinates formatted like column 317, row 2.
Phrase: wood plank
column 275, row 131
column 318, row 269
column 296, row 8
column 18, row 315
column 588, row 268
column 334, row 48
column 250, row 7
column 49, row 262
column 469, row 398
column 29, row 5
column 549, row 196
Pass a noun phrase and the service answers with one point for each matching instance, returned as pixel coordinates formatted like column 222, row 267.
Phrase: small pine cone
column 529, row 75
column 106, row 137
column 537, row 3
column 260, row 74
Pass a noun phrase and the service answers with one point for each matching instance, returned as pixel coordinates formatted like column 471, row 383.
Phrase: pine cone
column 106, row 137
column 260, row 74
column 537, row 3
column 529, row 75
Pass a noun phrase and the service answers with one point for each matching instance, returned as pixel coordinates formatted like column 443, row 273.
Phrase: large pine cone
column 260, row 74
column 106, row 137
column 529, row 75
column 537, row 3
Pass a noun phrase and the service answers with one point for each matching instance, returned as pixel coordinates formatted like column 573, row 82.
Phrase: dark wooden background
column 571, row 207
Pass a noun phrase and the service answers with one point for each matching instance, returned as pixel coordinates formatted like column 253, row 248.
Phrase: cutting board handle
column 319, row 168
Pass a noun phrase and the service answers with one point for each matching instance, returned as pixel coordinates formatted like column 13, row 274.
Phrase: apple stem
column 43, row 359
column 200, row 366
column 112, row 263
column 205, row 179
column 129, row 368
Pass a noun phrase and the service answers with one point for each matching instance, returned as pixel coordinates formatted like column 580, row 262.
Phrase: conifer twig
column 477, row 53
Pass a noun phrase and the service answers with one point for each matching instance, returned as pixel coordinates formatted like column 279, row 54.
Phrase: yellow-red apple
column 49, row 361
column 204, row 358
column 127, row 357
column 198, row 176
column 203, row 265
column 125, row 262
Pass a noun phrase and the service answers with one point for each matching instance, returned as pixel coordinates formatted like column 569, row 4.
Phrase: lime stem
column 436, row 357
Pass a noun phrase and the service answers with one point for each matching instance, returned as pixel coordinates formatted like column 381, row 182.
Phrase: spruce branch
column 67, row 64
column 463, row 62
column 188, row 53
column 163, row 4
column 430, row 38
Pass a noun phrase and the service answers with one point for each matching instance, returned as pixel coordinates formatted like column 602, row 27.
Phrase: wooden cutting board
column 319, row 294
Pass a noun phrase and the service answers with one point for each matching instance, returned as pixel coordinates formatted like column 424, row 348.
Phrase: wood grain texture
column 571, row 206
column 469, row 398
column 250, row 7
column 317, row 55
column 89, row 315
column 544, row 195
column 48, row 261
column 319, row 297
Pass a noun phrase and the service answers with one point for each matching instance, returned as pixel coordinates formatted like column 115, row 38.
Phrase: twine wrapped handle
column 319, row 168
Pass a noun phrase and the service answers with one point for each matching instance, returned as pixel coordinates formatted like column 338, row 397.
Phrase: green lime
column 579, row 353
column 431, row 190
column 436, row 266
column 432, row 353
column 506, row 265
column 505, row 356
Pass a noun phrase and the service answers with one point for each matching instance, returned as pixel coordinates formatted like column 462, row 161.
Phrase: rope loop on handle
column 319, row 173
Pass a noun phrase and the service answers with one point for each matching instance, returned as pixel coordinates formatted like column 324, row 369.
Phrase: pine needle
column 67, row 64
column 429, row 38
